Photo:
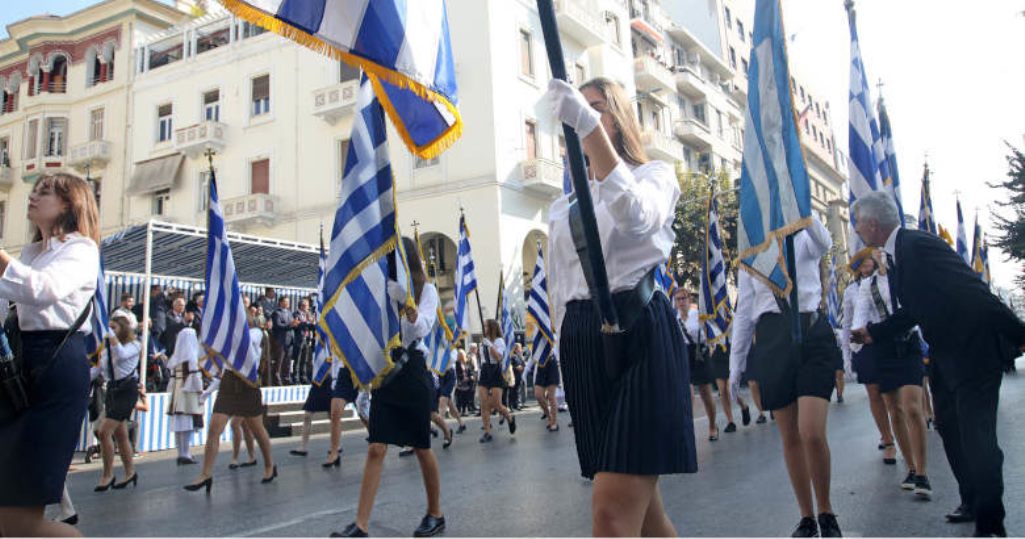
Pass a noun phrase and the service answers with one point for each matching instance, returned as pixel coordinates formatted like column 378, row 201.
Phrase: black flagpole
column 575, row 155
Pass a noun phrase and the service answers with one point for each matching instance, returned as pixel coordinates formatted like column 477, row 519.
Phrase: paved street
column 529, row 485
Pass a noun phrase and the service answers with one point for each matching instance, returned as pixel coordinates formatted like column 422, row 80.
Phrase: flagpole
column 476, row 289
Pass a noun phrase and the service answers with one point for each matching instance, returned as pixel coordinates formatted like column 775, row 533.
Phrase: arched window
column 58, row 83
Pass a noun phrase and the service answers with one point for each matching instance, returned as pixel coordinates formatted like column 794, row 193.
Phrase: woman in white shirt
column 638, row 426
column 400, row 411
column 491, row 383
column 52, row 284
column 186, row 386
column 119, row 364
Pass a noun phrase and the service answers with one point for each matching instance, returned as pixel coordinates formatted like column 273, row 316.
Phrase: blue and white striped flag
column 439, row 340
column 322, row 360
column 465, row 279
column 926, row 217
column 539, row 313
column 978, row 257
column 361, row 322
column 403, row 46
column 962, row 238
column 889, row 173
column 775, row 195
column 986, row 276
column 664, row 279
column 713, row 301
column 833, row 295
column 225, row 328
column 99, row 320
column 508, row 328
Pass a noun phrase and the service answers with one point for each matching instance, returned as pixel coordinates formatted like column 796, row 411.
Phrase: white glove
column 396, row 292
column 571, row 108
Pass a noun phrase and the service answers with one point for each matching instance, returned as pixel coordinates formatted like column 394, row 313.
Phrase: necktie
column 892, row 280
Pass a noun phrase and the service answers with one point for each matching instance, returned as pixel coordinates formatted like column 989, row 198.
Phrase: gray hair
column 877, row 206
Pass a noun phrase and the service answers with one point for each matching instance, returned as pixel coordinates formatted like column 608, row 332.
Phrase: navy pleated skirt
column 319, row 397
column 863, row 362
column 36, row 448
column 641, row 423
column 400, row 412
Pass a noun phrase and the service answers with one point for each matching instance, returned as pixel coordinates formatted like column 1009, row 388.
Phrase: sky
column 953, row 75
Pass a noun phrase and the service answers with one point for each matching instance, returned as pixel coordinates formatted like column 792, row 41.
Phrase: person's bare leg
column 485, row 409
column 496, row 403
column 213, row 441
column 307, row 425
column 250, row 445
column 440, row 422
column 371, row 481
column 125, row 446
column 927, row 399
column 255, row 425
column 898, row 424
column 236, row 438
column 432, row 480
column 553, row 407
column 656, row 522
column 705, row 391
column 794, row 457
column 840, row 384
column 756, row 395
column 914, row 418
column 812, row 415
column 724, row 399
column 542, row 401
column 337, row 411
column 453, row 412
column 619, row 503
column 30, row 522
column 881, row 418
column 106, row 437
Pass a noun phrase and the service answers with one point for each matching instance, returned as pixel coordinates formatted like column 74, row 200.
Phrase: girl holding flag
column 491, row 382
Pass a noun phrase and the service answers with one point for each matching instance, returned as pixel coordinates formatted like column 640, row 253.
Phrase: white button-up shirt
column 52, row 284
column 850, row 299
column 427, row 315
column 755, row 298
column 634, row 208
column 126, row 360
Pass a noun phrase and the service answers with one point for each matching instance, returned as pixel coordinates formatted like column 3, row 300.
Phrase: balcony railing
column 689, row 82
column 196, row 139
column 579, row 21
column 660, row 146
column 542, row 176
column 6, row 177
column 44, row 163
column 693, row 133
column 334, row 102
column 651, row 75
column 257, row 208
column 92, row 154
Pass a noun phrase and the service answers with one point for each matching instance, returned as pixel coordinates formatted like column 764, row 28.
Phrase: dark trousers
column 966, row 419
column 279, row 362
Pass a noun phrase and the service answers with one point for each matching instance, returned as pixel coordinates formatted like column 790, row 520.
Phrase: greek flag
column 361, row 323
column 466, row 279
column 713, row 301
column 664, row 279
column 322, row 360
column 926, row 217
column 225, row 328
column 833, row 297
column 439, row 340
column 979, row 259
column 402, row 45
column 962, row 239
column 889, row 174
column 987, row 276
column 506, row 321
column 867, row 166
column 99, row 320
column 539, row 314
column 775, row 196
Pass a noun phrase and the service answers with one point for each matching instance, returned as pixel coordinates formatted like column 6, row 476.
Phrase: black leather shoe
column 963, row 513
column 512, row 425
column 72, row 520
column 352, row 530
column 828, row 527
column 998, row 532
column 298, row 452
column 761, row 420
column 730, row 427
column 430, row 526
column 461, row 429
column 806, row 528
column 745, row 416
column 406, row 452
column 182, row 461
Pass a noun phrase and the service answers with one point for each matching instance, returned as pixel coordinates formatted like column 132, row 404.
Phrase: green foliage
column 1010, row 237
column 691, row 216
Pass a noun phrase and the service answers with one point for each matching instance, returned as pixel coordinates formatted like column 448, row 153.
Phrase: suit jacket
column 967, row 327
column 174, row 327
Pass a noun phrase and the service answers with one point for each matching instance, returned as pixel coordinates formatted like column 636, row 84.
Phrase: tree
column 691, row 214
column 1011, row 231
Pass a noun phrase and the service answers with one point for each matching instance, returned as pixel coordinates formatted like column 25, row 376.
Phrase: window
column 251, row 30
column 530, row 138
column 612, row 22
column 699, row 113
column 59, row 76
column 212, row 36
column 3, row 217
column 729, row 19
column 166, row 52
column 719, row 124
column 579, row 74
column 57, row 135
column 733, row 58
column 744, row 65
column 31, row 139
column 802, row 94
column 818, row 111
column 259, row 177
column 165, row 123
column 5, row 152
column 807, row 129
column 526, row 54
column 96, row 124
column 346, row 72
column 212, row 106
column 343, row 157
column 162, row 202
column 203, row 191
column 261, row 95
column 419, row 162
column 740, row 30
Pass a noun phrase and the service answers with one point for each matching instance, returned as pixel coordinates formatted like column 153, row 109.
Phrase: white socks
column 184, row 439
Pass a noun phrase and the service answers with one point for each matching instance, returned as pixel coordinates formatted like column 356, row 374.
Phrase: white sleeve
column 76, row 267
column 742, row 332
column 640, row 204
column 427, row 312
column 816, row 240
column 862, row 314
column 499, row 348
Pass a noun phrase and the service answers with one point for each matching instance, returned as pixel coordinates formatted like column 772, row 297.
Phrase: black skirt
column 864, row 364
column 36, row 448
column 783, row 374
column 899, row 369
column 120, row 405
column 699, row 368
column 548, row 375
column 343, row 387
column 641, row 423
column 491, row 376
column 400, row 412
column 319, row 397
column 447, row 384
column 719, row 363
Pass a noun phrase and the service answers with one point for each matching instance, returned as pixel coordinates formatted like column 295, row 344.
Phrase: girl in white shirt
column 491, row 383
column 122, row 394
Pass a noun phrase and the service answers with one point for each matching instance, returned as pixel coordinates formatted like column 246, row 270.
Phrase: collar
column 891, row 243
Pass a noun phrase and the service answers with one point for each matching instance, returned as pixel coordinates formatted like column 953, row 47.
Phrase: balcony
column 651, row 75
column 660, row 146
column 738, row 91
column 196, row 139
column 93, row 154
column 694, row 133
column 579, row 22
column 334, row 102
column 689, row 82
column 257, row 208
column 6, row 177
column 541, row 176
column 32, row 168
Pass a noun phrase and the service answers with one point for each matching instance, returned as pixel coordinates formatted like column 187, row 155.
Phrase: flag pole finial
column 210, row 153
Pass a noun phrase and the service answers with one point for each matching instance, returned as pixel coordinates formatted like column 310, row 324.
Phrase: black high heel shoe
column 72, row 520
column 207, row 483
column 134, row 480
column 334, row 463
column 273, row 474
column 104, row 488
column 448, row 440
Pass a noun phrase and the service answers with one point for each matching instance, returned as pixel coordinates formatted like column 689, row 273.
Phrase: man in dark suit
column 282, row 337
column 178, row 319
column 972, row 336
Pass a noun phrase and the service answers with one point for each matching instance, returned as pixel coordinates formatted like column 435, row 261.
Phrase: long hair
column 491, row 329
column 627, row 141
column 82, row 215
column 416, row 267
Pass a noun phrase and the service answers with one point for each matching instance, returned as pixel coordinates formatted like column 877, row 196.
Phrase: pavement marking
column 300, row 520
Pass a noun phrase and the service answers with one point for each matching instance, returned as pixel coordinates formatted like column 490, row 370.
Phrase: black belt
column 631, row 303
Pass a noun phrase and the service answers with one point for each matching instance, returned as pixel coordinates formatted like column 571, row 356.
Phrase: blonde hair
column 124, row 332
column 627, row 141
column 82, row 215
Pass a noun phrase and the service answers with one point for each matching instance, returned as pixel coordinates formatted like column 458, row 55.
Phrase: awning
column 647, row 31
column 180, row 251
column 155, row 175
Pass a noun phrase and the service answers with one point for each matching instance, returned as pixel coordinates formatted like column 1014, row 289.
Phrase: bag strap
column 37, row 373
